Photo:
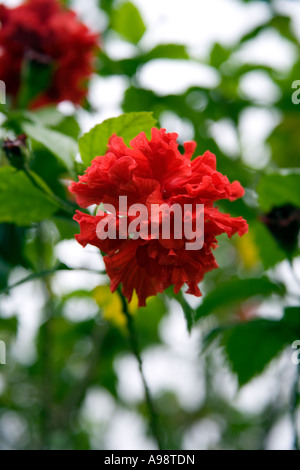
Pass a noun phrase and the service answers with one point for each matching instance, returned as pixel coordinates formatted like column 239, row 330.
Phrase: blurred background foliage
column 70, row 381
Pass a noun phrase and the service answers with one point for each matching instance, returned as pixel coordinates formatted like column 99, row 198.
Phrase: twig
column 66, row 206
column 136, row 351
column 45, row 273
column 75, row 399
column 45, row 359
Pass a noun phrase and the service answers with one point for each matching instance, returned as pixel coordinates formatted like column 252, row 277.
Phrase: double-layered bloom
column 45, row 32
column 155, row 172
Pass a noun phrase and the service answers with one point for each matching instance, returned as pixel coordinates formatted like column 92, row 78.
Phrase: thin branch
column 45, row 273
column 66, row 206
column 136, row 351
column 77, row 396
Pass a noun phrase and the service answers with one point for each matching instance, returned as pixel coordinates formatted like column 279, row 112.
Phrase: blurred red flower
column 155, row 172
column 45, row 32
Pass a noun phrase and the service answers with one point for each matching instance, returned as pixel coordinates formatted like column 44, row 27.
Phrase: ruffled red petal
column 154, row 172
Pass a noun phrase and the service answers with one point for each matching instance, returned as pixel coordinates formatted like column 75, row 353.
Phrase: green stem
column 136, row 351
column 45, row 273
column 76, row 397
column 45, row 359
column 64, row 205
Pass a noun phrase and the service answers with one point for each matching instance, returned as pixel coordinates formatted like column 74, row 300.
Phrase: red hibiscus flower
column 44, row 32
column 155, row 172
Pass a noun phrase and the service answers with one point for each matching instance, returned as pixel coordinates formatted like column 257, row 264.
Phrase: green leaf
column 48, row 115
column 69, row 127
column 292, row 318
column 188, row 311
column 127, row 21
column 129, row 66
column 166, row 51
column 284, row 140
column 62, row 146
column 36, row 78
column 283, row 24
column 277, row 189
column 94, row 143
column 270, row 252
column 147, row 321
column 251, row 346
column 9, row 325
column 20, row 201
column 219, row 55
column 234, row 291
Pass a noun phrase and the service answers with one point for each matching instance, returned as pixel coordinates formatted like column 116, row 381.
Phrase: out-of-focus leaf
column 47, row 115
column 62, row 146
column 219, row 55
column 250, row 346
column 66, row 227
column 12, row 241
column 69, row 127
column 9, row 325
column 236, row 290
column 129, row 67
column 51, row 117
column 281, row 23
column 188, row 311
column 147, row 321
column 106, row 5
column 292, row 318
column 167, row 51
column 284, row 140
column 94, row 143
column 4, row 273
column 238, row 207
column 269, row 251
column 51, row 173
column 36, row 78
column 275, row 190
column 20, row 201
column 127, row 21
